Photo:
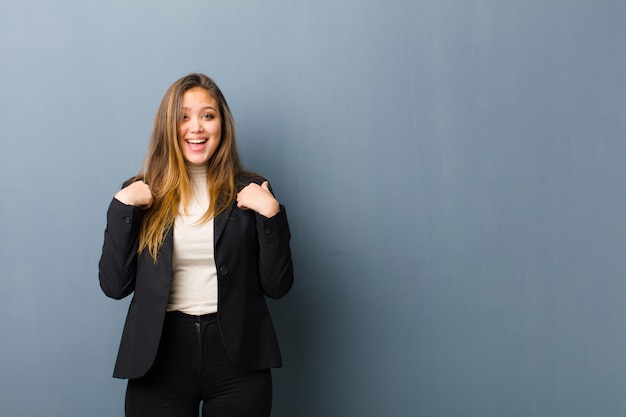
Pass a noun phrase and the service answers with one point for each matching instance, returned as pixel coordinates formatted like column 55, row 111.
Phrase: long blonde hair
column 165, row 171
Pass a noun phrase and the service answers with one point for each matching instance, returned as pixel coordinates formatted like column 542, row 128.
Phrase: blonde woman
column 200, row 243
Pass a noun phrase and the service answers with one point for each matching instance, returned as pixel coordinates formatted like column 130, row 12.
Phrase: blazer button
column 223, row 270
column 127, row 220
column 268, row 231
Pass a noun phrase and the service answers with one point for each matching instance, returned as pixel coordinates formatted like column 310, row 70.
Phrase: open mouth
column 196, row 141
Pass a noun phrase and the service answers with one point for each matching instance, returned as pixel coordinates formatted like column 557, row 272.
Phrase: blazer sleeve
column 118, row 263
column 275, row 265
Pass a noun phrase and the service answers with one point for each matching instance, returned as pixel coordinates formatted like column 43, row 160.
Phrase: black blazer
column 253, row 260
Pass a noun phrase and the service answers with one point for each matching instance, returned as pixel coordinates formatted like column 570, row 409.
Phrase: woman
column 199, row 242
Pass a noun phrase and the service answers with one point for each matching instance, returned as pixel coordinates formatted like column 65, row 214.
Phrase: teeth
column 196, row 141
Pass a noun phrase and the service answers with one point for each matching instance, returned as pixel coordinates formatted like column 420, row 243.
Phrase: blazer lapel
column 164, row 264
column 219, row 223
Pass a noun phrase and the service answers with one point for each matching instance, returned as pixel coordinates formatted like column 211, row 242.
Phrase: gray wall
column 454, row 173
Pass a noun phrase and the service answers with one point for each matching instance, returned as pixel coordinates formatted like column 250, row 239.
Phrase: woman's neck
column 197, row 172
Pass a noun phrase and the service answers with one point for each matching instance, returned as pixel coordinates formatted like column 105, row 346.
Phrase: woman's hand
column 136, row 194
column 258, row 198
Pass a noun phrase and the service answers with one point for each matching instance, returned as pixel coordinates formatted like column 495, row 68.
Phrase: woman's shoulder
column 246, row 177
column 132, row 180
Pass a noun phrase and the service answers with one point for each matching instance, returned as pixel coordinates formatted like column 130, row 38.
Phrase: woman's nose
column 196, row 126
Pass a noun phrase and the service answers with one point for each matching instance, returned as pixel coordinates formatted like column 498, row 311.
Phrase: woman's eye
column 185, row 117
column 208, row 116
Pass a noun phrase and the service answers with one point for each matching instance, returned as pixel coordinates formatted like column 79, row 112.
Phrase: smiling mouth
column 196, row 141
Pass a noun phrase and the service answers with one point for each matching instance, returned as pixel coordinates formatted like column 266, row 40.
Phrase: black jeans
column 192, row 369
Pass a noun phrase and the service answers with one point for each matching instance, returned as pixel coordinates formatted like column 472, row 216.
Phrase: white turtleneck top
column 194, row 275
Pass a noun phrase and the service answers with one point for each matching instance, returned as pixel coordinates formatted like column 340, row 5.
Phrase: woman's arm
column 275, row 265
column 118, row 263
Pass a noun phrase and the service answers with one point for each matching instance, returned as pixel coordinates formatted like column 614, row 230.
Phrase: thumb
column 265, row 185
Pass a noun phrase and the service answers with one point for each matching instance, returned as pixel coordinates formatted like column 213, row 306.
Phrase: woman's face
column 200, row 130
